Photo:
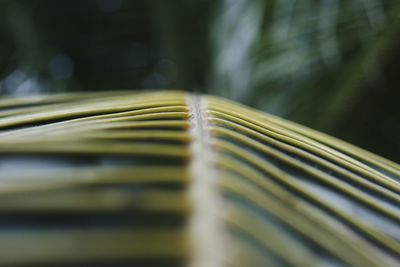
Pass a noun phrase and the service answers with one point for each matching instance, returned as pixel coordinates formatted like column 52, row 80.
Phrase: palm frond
column 176, row 179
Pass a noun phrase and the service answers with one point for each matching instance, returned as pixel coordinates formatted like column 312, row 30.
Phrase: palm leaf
column 172, row 179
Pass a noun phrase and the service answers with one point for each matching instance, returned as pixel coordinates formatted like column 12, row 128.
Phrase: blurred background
column 331, row 65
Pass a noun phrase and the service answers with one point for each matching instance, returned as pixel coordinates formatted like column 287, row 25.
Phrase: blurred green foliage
column 331, row 65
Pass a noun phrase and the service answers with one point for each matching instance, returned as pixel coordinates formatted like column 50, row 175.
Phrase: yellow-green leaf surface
column 175, row 179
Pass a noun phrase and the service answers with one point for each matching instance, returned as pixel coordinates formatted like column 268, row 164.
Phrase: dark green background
column 331, row 65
